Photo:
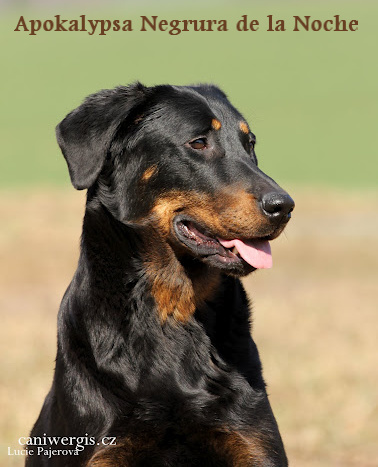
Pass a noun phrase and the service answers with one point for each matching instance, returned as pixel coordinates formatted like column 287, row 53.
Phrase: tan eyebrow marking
column 148, row 173
column 244, row 127
column 216, row 124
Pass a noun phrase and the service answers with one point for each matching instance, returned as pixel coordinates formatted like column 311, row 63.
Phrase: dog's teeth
column 188, row 231
column 234, row 250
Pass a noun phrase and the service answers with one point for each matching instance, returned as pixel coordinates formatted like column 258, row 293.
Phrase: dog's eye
column 252, row 143
column 200, row 143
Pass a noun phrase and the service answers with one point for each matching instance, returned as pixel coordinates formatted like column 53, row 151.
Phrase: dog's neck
column 117, row 307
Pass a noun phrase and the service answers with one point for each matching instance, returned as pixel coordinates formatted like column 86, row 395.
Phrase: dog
column 155, row 363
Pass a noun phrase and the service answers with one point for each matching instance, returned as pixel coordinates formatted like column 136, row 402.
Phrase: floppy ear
column 85, row 135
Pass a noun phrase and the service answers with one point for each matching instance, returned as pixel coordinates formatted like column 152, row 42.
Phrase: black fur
column 174, row 389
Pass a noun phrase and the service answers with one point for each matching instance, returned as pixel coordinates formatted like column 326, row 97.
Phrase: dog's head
column 180, row 161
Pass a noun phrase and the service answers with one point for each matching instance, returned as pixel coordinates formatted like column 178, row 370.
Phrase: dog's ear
column 85, row 135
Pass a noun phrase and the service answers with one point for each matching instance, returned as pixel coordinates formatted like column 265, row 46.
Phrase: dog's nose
column 277, row 205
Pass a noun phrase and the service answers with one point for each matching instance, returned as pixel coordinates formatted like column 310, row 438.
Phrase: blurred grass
column 311, row 97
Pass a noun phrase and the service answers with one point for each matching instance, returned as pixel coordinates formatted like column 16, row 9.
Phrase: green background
column 311, row 97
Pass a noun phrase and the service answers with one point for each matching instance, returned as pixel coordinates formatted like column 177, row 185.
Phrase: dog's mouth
column 236, row 255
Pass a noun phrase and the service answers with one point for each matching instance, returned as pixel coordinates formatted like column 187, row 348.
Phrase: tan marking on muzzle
column 230, row 214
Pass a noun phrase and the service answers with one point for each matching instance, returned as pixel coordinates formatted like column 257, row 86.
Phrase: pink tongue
column 257, row 253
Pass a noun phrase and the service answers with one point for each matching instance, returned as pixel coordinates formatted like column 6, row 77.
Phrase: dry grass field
column 315, row 319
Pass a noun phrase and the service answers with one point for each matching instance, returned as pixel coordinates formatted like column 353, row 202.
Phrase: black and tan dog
column 154, row 349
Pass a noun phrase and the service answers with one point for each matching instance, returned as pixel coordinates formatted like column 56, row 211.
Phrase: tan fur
column 216, row 124
column 233, row 214
column 239, row 450
column 119, row 455
column 244, row 127
column 176, row 293
column 148, row 173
